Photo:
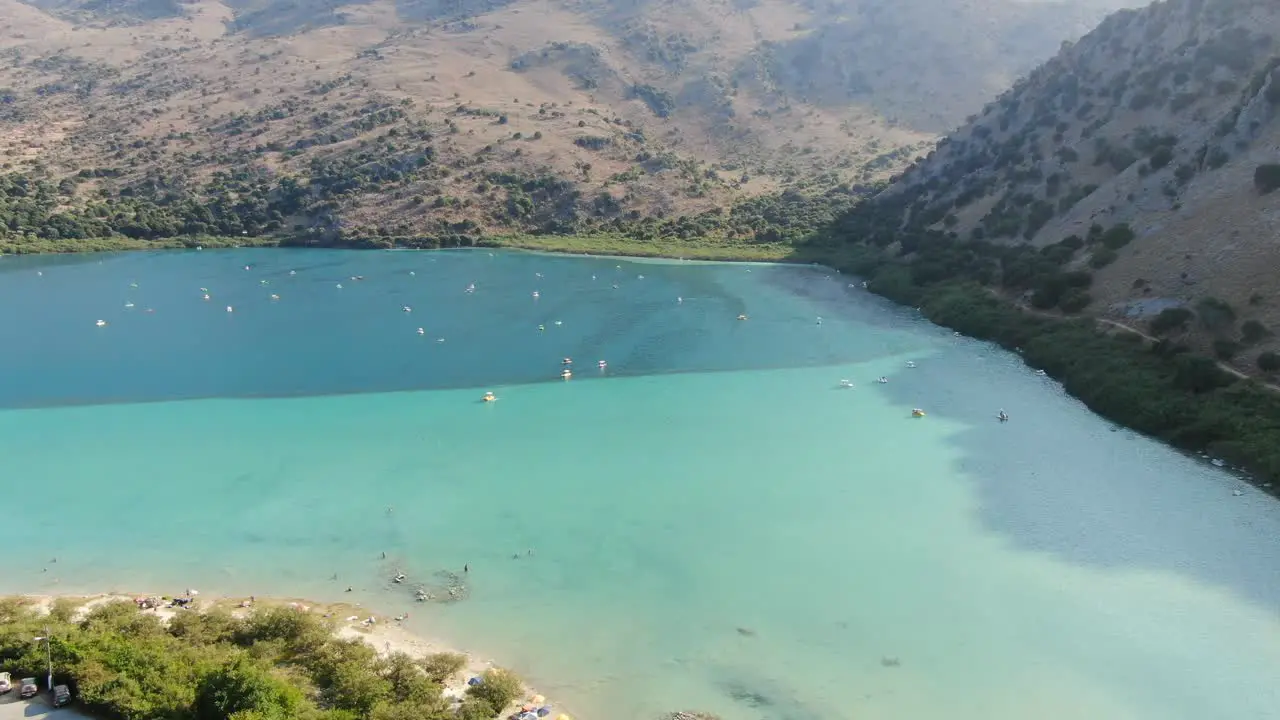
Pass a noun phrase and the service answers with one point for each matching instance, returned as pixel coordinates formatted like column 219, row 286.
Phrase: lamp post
column 48, row 645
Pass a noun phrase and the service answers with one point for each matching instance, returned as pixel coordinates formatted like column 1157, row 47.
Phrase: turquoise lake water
column 714, row 523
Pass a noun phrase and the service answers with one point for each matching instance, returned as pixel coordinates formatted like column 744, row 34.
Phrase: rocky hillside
column 436, row 117
column 1147, row 154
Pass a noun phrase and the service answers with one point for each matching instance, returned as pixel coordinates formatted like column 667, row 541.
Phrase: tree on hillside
column 1267, row 178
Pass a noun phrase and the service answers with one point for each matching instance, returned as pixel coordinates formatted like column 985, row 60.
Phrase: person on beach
column 466, row 568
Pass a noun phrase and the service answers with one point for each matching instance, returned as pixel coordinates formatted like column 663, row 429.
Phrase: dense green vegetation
column 251, row 208
column 277, row 664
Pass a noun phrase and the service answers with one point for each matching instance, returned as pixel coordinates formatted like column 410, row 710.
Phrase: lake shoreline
column 602, row 245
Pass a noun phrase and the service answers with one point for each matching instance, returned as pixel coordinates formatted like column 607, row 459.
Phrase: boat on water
column 917, row 413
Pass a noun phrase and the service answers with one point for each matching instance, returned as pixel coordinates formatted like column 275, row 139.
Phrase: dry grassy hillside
column 1165, row 121
column 405, row 117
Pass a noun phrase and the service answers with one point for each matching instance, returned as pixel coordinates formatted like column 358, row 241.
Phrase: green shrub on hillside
column 1118, row 236
column 1215, row 315
column 1266, row 178
column 1225, row 349
column 1170, row 319
column 1075, row 300
column 1102, row 257
column 1254, row 332
column 1269, row 362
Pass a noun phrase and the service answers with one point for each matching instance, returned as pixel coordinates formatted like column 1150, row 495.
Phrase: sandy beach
column 351, row 621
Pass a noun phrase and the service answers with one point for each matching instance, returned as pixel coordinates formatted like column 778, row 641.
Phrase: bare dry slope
column 1164, row 120
column 402, row 117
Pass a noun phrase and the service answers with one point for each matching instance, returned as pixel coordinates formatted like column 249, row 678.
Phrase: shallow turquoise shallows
column 711, row 522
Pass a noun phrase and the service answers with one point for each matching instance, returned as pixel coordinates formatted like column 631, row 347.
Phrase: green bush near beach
column 276, row 664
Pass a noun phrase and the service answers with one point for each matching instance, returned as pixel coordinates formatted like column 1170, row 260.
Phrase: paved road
column 11, row 708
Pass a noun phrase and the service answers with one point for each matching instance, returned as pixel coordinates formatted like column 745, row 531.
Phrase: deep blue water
column 172, row 344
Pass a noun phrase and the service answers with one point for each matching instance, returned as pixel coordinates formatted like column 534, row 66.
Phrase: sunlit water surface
column 709, row 523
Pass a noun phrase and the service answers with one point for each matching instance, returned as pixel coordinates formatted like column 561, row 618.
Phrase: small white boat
column 206, row 297
column 102, row 323
column 275, row 297
column 910, row 364
column 406, row 308
column 422, row 331
column 128, row 305
column 339, row 286
column 230, row 309
column 293, row 272
column 846, row 383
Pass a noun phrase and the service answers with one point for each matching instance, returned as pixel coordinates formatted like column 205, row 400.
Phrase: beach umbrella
column 474, row 681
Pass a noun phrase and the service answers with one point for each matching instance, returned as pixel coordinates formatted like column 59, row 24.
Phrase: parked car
column 28, row 688
column 61, row 695
column 6, row 683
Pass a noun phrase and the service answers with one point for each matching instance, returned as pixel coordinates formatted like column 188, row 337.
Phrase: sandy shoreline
column 351, row 621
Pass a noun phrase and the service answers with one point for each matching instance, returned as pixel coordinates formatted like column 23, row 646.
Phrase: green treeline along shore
column 1027, row 299
column 276, row 663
